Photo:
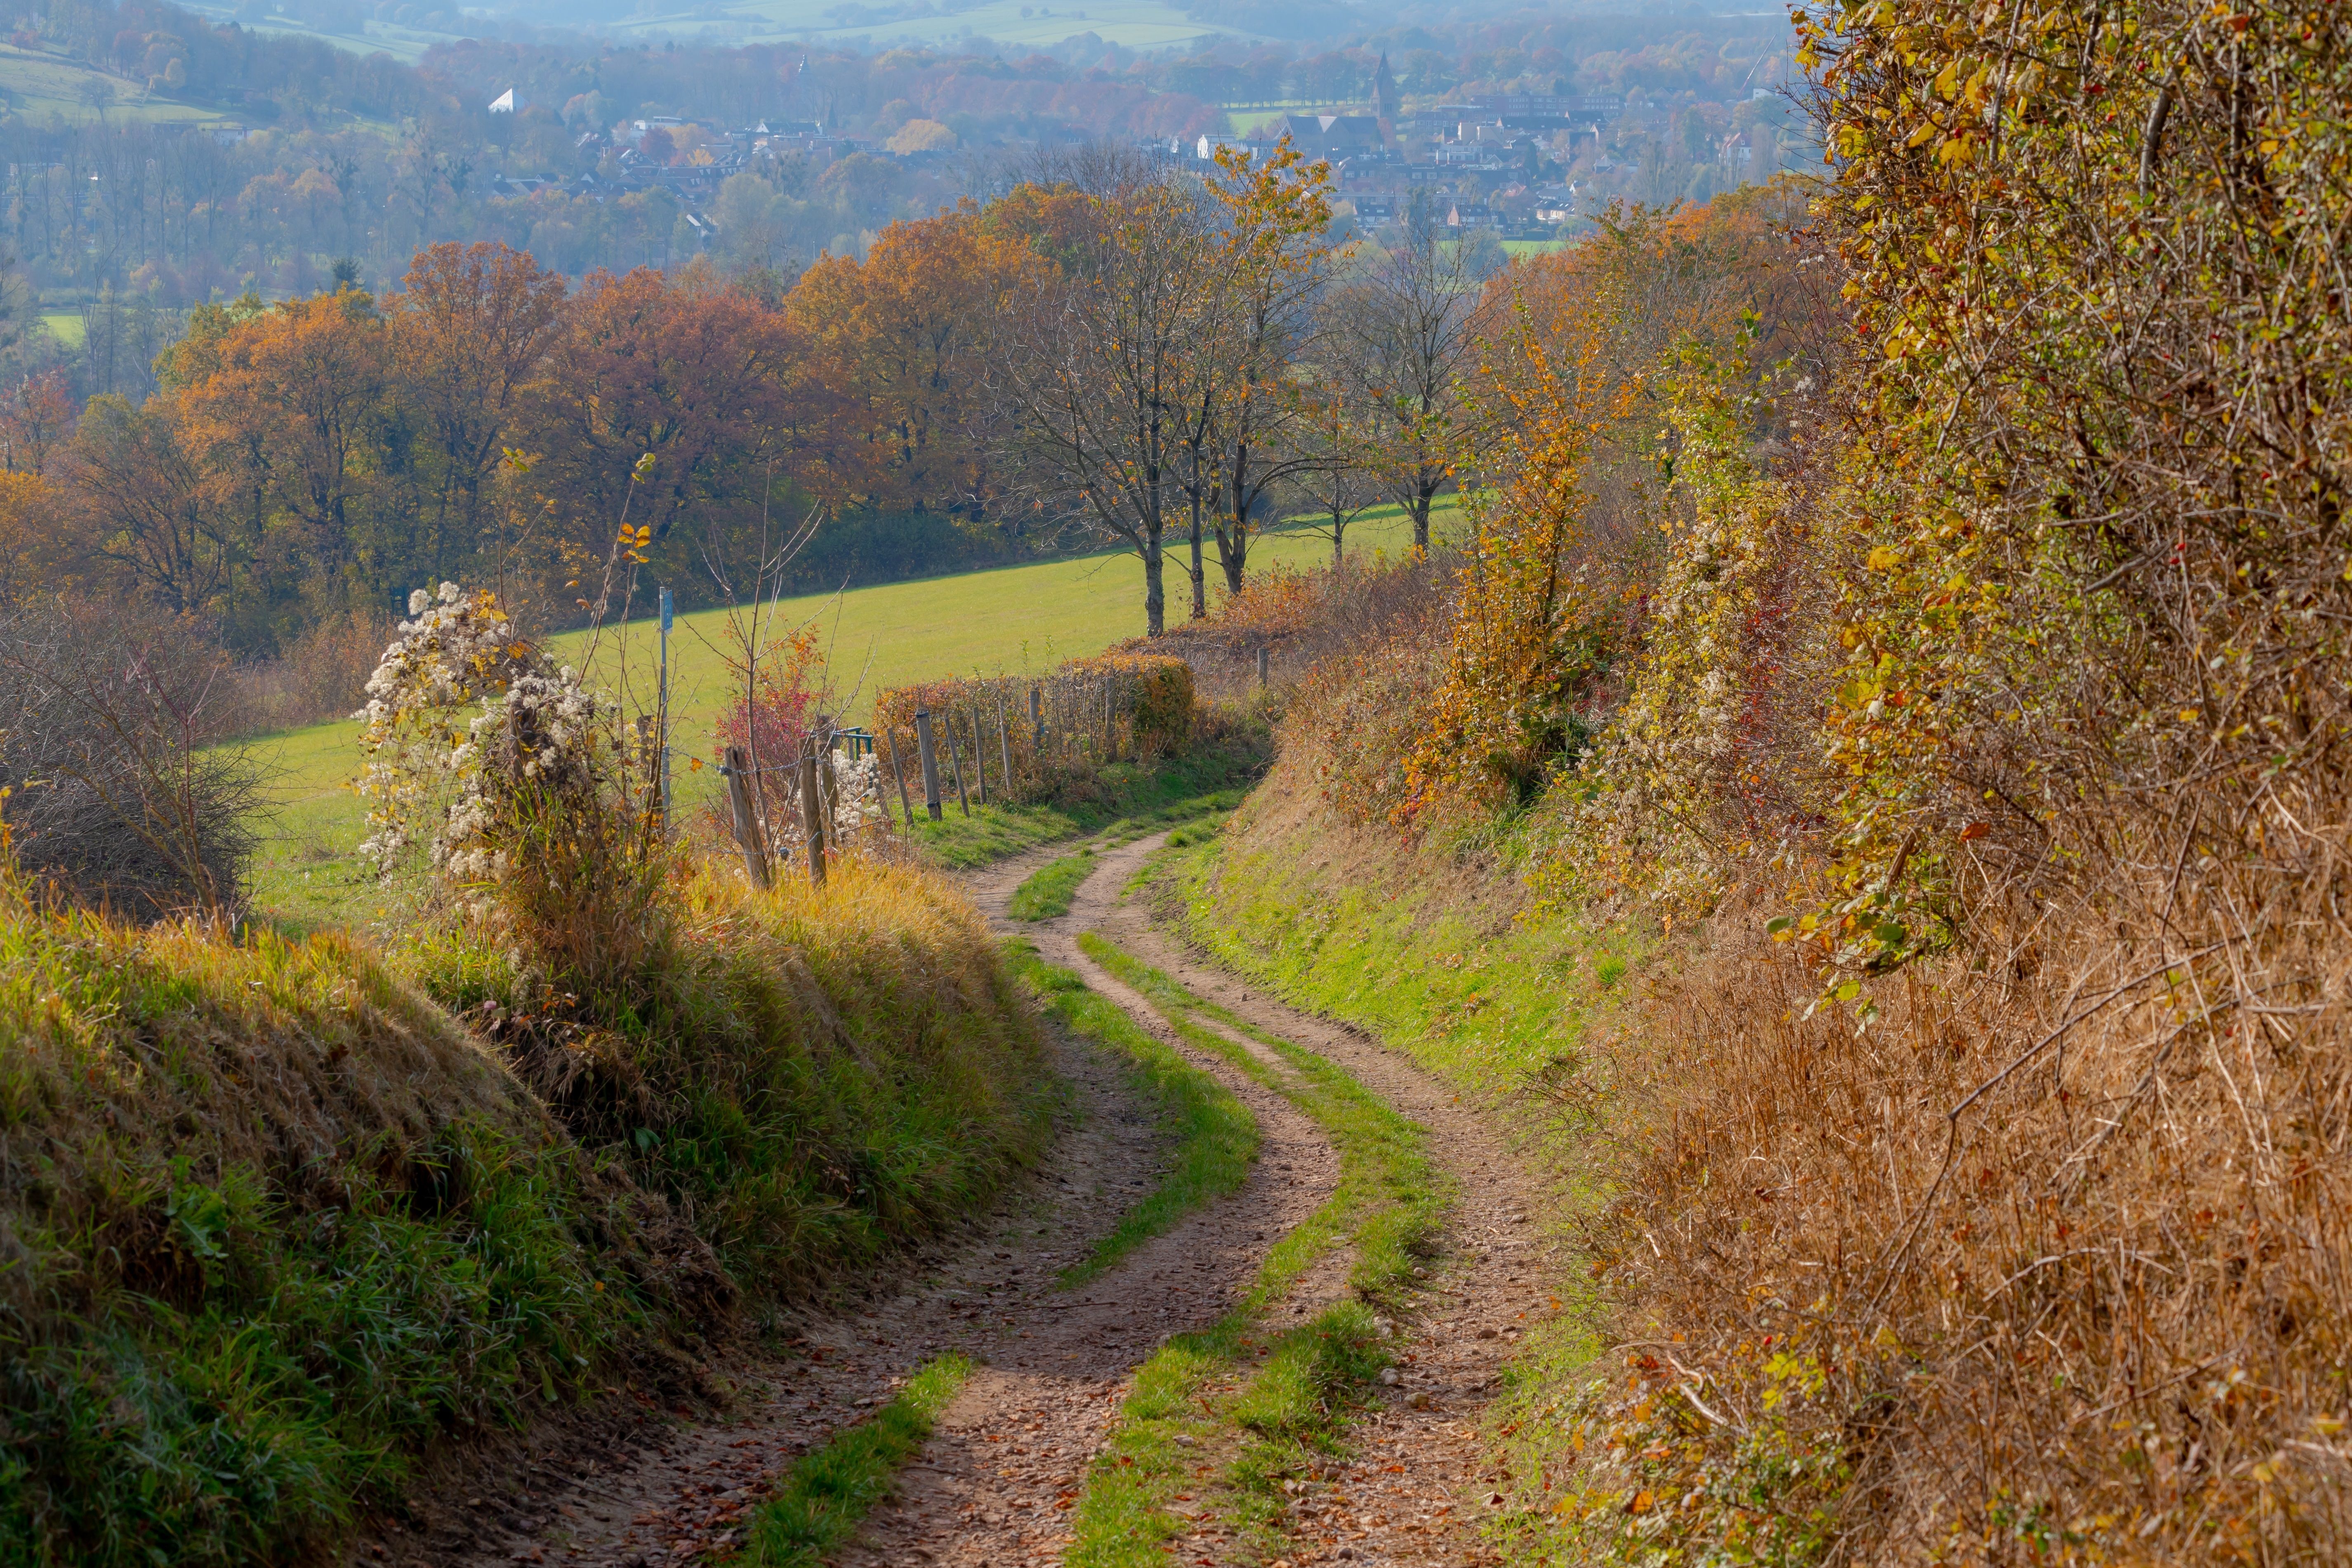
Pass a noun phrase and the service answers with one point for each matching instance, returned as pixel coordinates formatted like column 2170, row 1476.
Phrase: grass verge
column 1262, row 1406
column 1216, row 1138
column 826, row 1493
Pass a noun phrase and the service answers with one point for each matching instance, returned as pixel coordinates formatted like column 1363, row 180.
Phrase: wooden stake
column 1003, row 743
column 812, row 813
column 979, row 754
column 746, row 825
column 955, row 761
column 906, row 806
column 1265, row 663
column 930, row 753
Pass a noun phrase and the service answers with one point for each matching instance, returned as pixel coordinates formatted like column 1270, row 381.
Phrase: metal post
column 664, row 708
column 746, row 825
column 812, row 813
column 931, row 756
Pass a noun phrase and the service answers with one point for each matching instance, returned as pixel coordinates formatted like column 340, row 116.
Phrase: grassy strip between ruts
column 826, row 1493
column 1047, row 893
column 1260, row 1405
column 1216, row 1138
column 1049, row 889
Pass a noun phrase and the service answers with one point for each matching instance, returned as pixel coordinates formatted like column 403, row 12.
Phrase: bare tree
column 1404, row 326
column 1097, row 366
column 1273, row 268
column 1331, row 462
column 115, row 791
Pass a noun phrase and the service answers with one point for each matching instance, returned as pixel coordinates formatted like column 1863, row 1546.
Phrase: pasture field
column 1130, row 24
column 40, row 84
column 406, row 45
column 1017, row 620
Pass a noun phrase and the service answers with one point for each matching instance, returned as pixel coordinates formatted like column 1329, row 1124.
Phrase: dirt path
column 994, row 1485
column 1015, row 1443
column 1415, row 1490
column 672, row 1486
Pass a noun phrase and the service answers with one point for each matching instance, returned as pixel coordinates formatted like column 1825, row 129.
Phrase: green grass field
column 66, row 326
column 39, row 84
column 1132, row 24
column 1018, row 620
column 406, row 45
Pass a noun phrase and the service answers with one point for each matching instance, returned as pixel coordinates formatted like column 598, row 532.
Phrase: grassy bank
column 275, row 1218
column 1425, row 950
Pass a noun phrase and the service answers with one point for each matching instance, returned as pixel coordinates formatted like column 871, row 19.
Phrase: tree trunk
column 1421, row 521
column 1155, row 592
column 1233, row 555
column 1200, row 579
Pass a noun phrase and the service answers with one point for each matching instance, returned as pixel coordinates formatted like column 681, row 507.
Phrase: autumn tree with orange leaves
column 904, row 335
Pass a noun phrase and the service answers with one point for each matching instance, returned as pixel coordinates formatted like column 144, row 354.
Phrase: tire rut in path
column 1415, row 1488
column 1413, row 1492
column 1008, row 1455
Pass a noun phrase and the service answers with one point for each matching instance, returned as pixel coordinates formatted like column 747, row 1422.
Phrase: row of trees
column 1106, row 353
column 1202, row 359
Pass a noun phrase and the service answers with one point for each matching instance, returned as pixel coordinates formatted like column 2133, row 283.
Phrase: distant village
column 1521, row 166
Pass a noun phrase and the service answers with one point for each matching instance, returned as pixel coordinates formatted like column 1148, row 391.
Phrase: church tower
column 1387, row 102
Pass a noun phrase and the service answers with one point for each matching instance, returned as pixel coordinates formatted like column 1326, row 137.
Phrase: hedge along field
column 1015, row 620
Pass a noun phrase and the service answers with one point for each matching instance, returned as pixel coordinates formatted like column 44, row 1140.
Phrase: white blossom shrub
column 513, row 780
column 456, row 653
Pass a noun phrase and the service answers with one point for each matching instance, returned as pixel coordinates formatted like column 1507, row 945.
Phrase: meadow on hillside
column 1017, row 620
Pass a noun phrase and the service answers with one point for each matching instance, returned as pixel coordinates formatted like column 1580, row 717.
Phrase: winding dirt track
column 995, row 1481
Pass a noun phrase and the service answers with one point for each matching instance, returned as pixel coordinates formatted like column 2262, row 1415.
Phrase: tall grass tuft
column 814, row 1074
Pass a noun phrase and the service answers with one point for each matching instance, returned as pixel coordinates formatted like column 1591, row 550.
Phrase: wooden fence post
column 1036, row 725
column 899, row 772
column 955, row 761
column 1003, row 743
column 1265, row 664
column 811, row 813
column 979, row 754
column 931, row 754
column 747, row 823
